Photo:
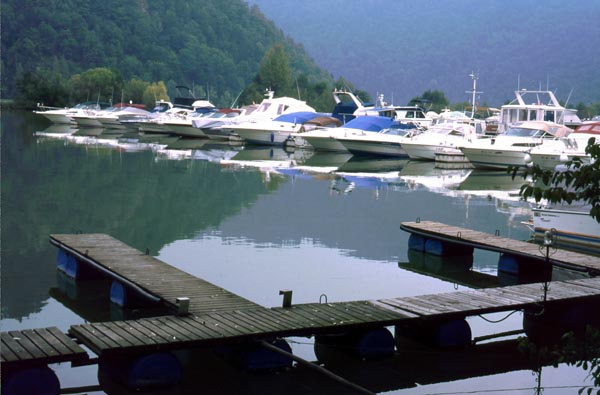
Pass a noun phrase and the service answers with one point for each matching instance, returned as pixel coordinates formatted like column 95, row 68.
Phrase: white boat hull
column 263, row 137
column 376, row 148
column 500, row 158
column 56, row 117
column 573, row 229
column 325, row 143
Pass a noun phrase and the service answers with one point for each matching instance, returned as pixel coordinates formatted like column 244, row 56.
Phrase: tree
column 41, row 87
column 154, row 92
column 98, row 84
column 134, row 90
column 576, row 182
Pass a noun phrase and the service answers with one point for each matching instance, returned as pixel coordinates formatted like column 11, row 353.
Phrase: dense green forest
column 211, row 46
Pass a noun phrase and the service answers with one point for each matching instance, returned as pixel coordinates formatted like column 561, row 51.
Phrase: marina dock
column 218, row 318
column 485, row 241
column 39, row 346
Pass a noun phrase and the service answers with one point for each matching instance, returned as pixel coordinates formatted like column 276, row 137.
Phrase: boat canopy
column 298, row 117
column 589, row 128
column 538, row 129
column 369, row 123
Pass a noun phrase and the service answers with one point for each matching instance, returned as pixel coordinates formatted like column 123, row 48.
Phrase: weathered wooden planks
column 486, row 241
column 310, row 319
column 149, row 274
column 39, row 346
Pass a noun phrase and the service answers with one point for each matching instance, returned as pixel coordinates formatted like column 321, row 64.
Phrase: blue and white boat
column 326, row 139
column 388, row 142
column 278, row 130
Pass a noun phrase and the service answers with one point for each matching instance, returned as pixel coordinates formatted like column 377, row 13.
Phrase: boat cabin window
column 264, row 107
column 523, row 132
column 549, row 116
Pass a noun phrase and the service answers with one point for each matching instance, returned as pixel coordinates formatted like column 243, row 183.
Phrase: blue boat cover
column 369, row 123
column 298, row 117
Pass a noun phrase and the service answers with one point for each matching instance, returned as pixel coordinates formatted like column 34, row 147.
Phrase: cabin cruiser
column 511, row 148
column 214, row 125
column 535, row 106
column 326, row 139
column 565, row 149
column 112, row 117
column 444, row 137
column 65, row 115
column 278, row 130
column 177, row 117
column 388, row 142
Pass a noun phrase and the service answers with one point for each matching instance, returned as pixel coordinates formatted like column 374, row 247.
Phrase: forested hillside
column 402, row 48
column 212, row 45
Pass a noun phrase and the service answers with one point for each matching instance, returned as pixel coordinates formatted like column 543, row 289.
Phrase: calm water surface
column 255, row 221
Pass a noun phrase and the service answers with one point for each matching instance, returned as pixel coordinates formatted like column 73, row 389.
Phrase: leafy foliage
column 577, row 182
column 212, row 44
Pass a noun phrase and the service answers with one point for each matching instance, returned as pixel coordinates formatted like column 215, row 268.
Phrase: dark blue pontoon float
column 362, row 344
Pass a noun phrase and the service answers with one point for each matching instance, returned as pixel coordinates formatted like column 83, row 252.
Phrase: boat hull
column 374, row 148
column 495, row 158
column 263, row 137
column 572, row 229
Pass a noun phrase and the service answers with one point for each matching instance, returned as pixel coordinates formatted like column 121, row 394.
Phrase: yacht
column 65, row 115
column 388, row 142
column 512, row 147
column 565, row 149
column 535, row 106
column 444, row 137
column 278, row 130
column 326, row 139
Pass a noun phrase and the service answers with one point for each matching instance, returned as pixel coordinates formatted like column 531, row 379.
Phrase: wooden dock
column 486, row 241
column 219, row 317
column 149, row 276
column 39, row 346
column 169, row 332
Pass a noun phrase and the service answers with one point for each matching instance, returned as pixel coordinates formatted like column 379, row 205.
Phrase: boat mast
column 473, row 92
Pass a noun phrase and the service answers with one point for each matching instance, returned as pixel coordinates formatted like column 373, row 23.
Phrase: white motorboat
column 511, row 148
column 388, row 142
column 565, row 149
column 444, row 137
column 177, row 118
column 535, row 106
column 269, row 109
column 572, row 227
column 215, row 124
column 326, row 139
column 111, row 117
column 65, row 115
column 278, row 130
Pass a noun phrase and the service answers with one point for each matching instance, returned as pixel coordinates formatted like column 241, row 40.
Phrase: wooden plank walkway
column 148, row 275
column 169, row 332
column 39, row 346
column 486, row 241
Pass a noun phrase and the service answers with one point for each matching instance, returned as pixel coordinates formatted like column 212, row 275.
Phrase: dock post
column 287, row 297
column 183, row 305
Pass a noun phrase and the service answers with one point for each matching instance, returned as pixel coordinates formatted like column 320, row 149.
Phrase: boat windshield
column 400, row 129
column 524, row 132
